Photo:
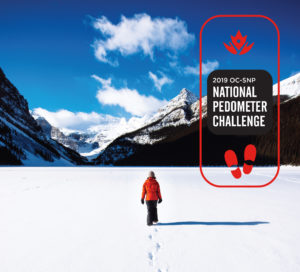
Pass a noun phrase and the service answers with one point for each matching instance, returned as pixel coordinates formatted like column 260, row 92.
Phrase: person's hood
column 150, row 179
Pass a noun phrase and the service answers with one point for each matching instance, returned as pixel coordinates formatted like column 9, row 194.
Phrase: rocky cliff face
column 55, row 134
column 22, row 140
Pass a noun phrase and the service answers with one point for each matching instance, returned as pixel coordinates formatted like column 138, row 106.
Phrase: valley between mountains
column 170, row 137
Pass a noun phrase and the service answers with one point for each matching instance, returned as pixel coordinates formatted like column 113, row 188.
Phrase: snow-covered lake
column 91, row 219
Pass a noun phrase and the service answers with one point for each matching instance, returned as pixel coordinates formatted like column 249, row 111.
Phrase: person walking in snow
column 151, row 190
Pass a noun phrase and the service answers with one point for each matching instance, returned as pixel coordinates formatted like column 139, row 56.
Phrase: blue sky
column 47, row 49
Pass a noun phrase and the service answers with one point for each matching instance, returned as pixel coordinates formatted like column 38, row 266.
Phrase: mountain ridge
column 172, row 121
column 168, row 137
column 180, row 146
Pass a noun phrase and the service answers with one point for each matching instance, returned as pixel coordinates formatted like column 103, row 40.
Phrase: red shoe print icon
column 231, row 160
column 249, row 158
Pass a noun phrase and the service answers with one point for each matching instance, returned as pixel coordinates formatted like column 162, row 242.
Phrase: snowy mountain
column 81, row 142
column 22, row 140
column 153, row 143
column 183, row 110
column 96, row 138
column 55, row 134
column 289, row 88
column 171, row 137
column 90, row 142
column 175, row 106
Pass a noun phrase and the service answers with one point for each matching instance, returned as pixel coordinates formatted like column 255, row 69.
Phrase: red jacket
column 151, row 190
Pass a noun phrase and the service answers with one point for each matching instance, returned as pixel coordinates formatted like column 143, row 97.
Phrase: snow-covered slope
column 174, row 108
column 77, row 219
column 181, row 110
column 22, row 141
column 289, row 87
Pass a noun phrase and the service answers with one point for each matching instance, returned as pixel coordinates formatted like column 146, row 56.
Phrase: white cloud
column 160, row 82
column 129, row 99
column 109, row 126
column 74, row 121
column 191, row 70
column 207, row 67
column 141, row 33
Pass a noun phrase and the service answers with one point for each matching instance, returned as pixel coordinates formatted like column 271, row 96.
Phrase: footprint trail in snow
column 153, row 254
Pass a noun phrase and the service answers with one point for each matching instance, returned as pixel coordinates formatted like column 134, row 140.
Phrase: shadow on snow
column 224, row 223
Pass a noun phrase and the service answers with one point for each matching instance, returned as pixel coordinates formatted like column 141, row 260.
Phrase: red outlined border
column 278, row 103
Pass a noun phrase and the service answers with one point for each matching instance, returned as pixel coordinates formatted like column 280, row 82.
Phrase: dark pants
column 152, row 212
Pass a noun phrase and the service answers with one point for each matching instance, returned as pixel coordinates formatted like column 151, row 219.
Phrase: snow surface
column 91, row 219
column 36, row 160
